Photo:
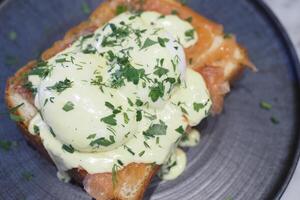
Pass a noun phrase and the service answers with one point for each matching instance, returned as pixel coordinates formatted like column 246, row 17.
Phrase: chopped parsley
column 138, row 102
column 42, row 69
column 61, row 85
column 198, row 106
column 160, row 71
column 129, row 150
column 156, row 129
column 52, row 132
column 138, row 115
column 162, row 41
column 180, row 130
column 13, row 115
column 156, row 92
column 110, row 120
column 265, row 105
column 92, row 136
column 103, row 141
column 129, row 102
column 109, row 105
column 120, row 162
column 36, row 129
column 68, row 106
column 61, row 60
column 146, row 145
column 68, row 148
column 274, row 120
column 148, row 43
column 29, row 86
column 126, row 118
column 141, row 153
column 121, row 9
column 189, row 34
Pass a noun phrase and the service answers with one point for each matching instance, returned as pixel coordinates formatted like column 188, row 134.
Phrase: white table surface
column 288, row 12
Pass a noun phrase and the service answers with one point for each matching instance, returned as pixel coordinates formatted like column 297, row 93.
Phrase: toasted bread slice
column 216, row 56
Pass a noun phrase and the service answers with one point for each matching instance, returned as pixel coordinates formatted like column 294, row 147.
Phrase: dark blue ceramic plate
column 242, row 155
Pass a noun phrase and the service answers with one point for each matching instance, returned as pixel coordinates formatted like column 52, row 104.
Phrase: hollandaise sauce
column 119, row 95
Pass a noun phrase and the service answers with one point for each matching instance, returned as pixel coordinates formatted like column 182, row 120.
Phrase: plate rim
column 262, row 7
column 291, row 52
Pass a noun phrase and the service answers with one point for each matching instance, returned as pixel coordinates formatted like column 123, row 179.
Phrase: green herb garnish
column 36, row 129
column 141, row 153
column 52, row 132
column 162, row 41
column 13, row 115
column 61, row 85
column 138, row 115
column 129, row 150
column 68, row 148
column 103, row 141
column 157, row 92
column 265, row 105
column 180, row 130
column 190, row 34
column 156, row 129
column 198, row 106
column 274, row 120
column 42, row 69
column 148, row 42
column 68, row 106
column 110, row 120
column 121, row 9
column 92, row 136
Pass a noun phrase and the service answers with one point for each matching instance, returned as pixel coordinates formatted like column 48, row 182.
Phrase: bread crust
column 100, row 185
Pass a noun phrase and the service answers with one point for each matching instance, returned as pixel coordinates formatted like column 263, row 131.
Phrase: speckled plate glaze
column 242, row 154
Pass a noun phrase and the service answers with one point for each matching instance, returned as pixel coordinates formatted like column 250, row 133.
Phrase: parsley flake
column 92, row 136
column 148, row 42
column 103, row 141
column 68, row 106
column 110, row 120
column 265, row 105
column 13, row 113
column 68, row 148
column 138, row 115
column 190, row 34
column 121, row 9
column 198, row 106
column 180, row 130
column 156, row 129
column 61, row 85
